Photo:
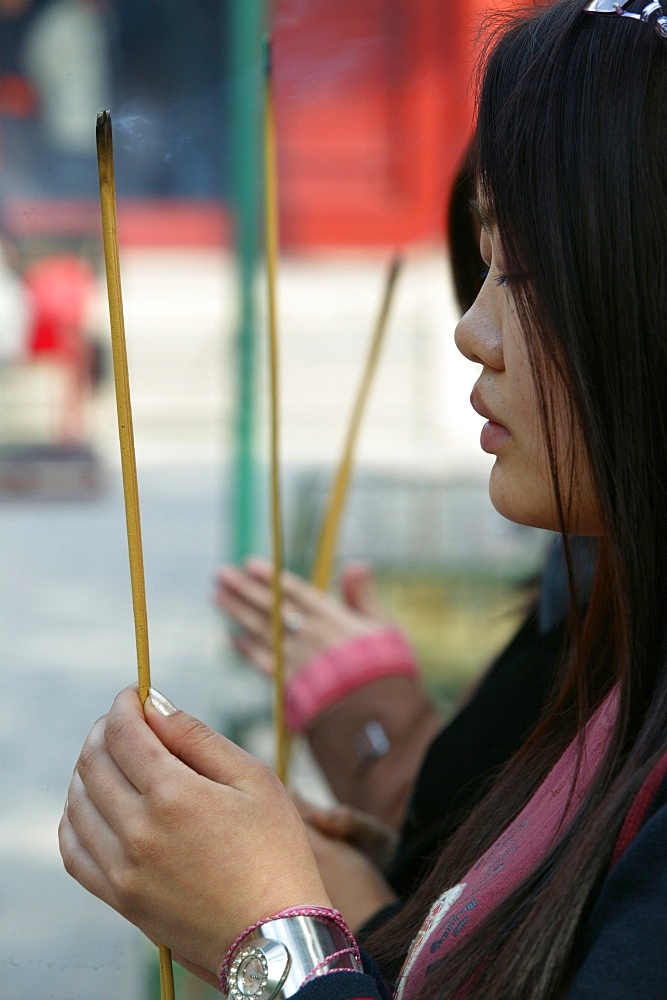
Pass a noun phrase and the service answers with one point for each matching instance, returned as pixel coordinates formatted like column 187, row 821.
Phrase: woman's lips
column 494, row 434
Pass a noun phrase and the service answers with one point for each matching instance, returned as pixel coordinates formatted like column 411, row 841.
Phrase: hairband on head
column 652, row 13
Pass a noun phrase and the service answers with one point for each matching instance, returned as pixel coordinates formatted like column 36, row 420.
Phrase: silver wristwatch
column 273, row 961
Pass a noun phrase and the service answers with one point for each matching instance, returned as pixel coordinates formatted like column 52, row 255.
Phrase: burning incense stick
column 123, row 404
column 126, row 436
column 326, row 548
column 271, row 238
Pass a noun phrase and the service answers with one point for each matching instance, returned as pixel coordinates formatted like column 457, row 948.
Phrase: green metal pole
column 247, row 26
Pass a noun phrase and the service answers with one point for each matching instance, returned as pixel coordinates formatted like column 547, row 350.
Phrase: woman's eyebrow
column 480, row 213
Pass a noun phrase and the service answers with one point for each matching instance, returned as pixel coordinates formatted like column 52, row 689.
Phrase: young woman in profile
column 556, row 884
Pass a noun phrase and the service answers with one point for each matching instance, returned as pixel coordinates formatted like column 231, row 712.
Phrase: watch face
column 251, row 976
column 258, row 971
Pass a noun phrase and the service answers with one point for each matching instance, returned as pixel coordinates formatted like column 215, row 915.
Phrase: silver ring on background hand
column 293, row 621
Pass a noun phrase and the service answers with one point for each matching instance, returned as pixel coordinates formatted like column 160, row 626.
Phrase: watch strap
column 276, row 957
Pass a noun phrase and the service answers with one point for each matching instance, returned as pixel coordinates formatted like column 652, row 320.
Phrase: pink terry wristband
column 343, row 669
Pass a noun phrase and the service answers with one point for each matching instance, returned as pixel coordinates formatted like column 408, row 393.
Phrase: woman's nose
column 478, row 335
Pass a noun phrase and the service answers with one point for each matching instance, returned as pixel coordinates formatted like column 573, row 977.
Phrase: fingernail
column 160, row 703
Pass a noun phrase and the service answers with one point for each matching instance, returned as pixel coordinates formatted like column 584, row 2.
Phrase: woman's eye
column 500, row 279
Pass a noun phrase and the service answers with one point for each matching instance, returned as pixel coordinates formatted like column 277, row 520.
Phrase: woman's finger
column 80, row 863
column 95, row 811
column 358, row 591
column 133, row 748
column 256, row 651
column 307, row 597
column 249, row 603
column 362, row 830
column 296, row 589
column 250, row 611
column 247, row 594
column 242, row 615
column 335, row 821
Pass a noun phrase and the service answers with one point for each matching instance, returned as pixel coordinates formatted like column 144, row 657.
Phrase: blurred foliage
column 456, row 623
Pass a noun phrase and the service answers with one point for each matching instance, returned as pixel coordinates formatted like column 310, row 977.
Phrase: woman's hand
column 182, row 832
column 353, row 881
column 367, row 833
column 352, row 849
column 314, row 620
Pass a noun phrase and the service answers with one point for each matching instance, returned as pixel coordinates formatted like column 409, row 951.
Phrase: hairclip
column 652, row 13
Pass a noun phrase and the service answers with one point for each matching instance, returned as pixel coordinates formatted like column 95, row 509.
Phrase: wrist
column 274, row 958
column 342, row 669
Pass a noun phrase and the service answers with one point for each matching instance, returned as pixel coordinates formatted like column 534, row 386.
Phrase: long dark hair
column 570, row 154
column 462, row 230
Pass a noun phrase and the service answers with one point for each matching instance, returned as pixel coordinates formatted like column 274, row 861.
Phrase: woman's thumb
column 358, row 589
column 192, row 741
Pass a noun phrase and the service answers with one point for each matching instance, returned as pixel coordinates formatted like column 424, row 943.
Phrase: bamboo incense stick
column 326, row 548
column 167, row 991
column 126, row 437
column 123, row 403
column 271, row 244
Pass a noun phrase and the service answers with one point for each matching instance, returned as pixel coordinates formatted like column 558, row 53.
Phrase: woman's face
column 520, row 485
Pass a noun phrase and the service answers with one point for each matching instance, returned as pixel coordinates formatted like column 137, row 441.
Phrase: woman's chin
column 530, row 502
column 521, row 502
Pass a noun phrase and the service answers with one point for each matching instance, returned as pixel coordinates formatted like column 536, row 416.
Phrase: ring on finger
column 293, row 621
